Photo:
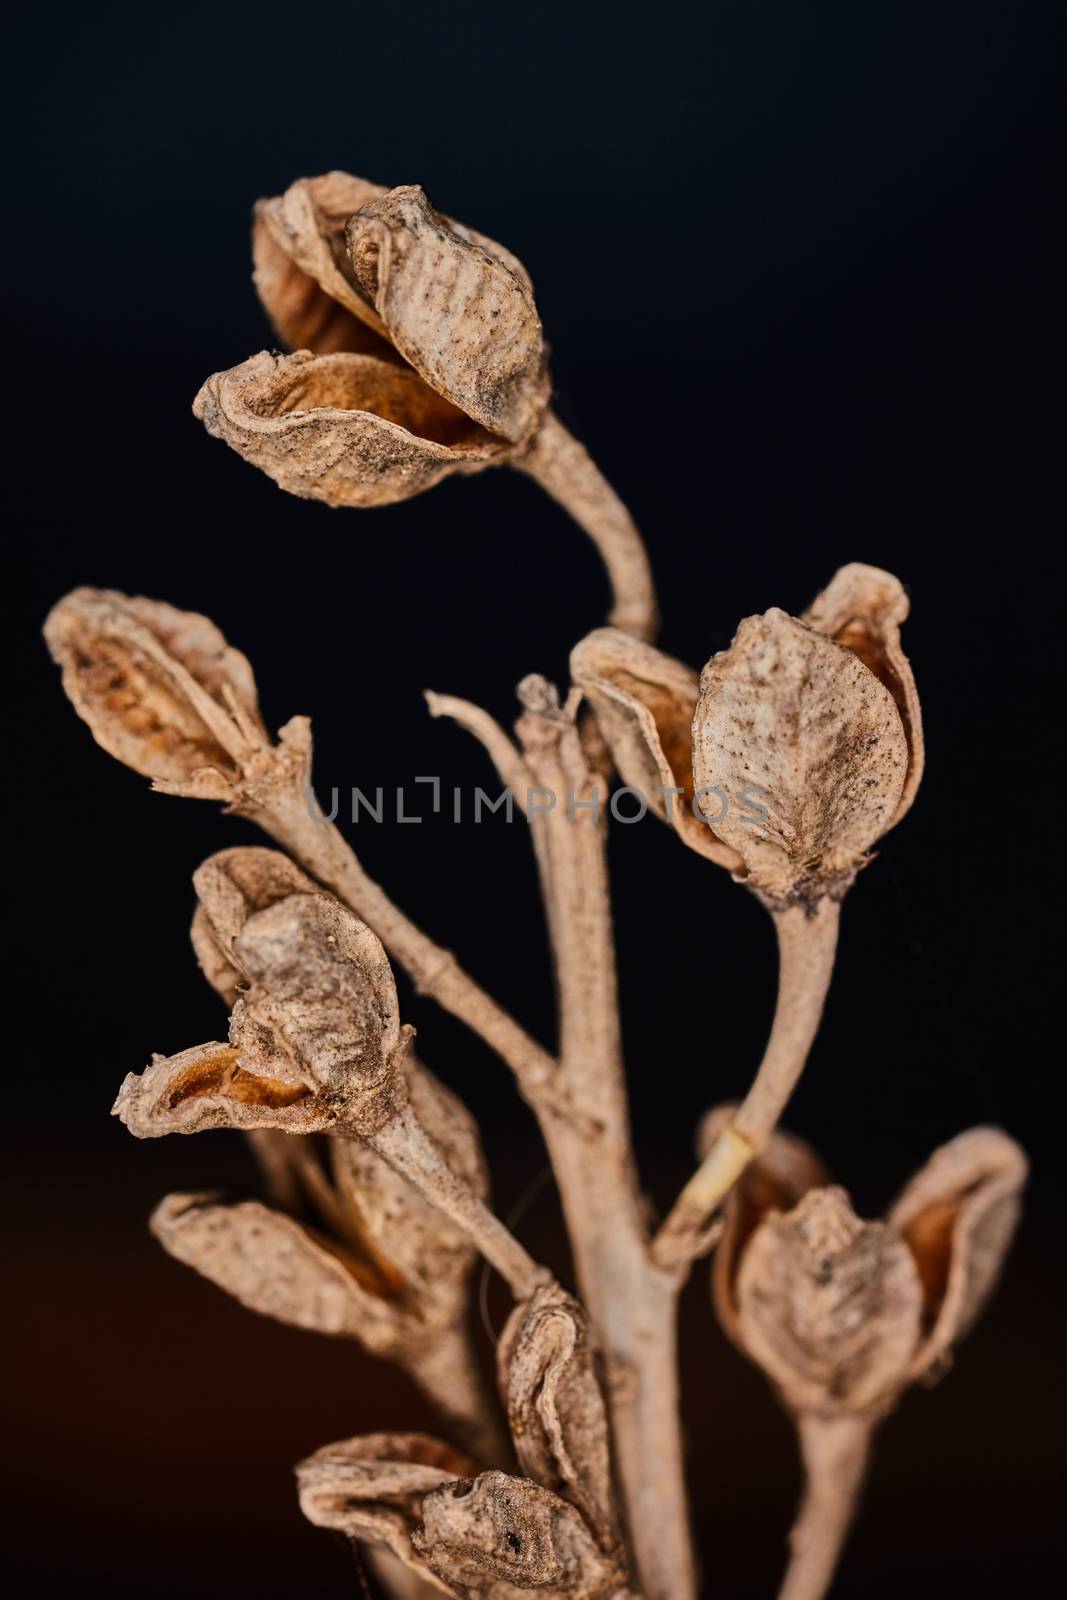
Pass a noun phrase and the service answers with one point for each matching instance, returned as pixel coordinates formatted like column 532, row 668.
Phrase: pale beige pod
column 802, row 753
column 547, row 1374
column 348, row 429
column 161, row 689
column 644, row 703
column 301, row 270
column 462, row 318
column 863, row 607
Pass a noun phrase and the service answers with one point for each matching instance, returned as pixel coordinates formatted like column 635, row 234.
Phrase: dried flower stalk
column 844, row 1315
column 417, row 354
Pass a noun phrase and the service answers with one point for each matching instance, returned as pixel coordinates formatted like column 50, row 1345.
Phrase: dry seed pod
column 555, row 1406
column 465, row 321
column 844, row 1314
column 161, row 689
column 301, row 270
column 419, row 354
column 779, row 1178
column 830, row 1307
column 231, row 885
column 163, row 692
column 491, row 1535
column 209, row 1087
column 361, row 1255
column 826, row 741
column 348, row 429
column 424, row 354
column 370, row 1489
column 644, row 702
column 315, row 1043
column 321, row 985
column 496, row 1536
column 958, row 1216
column 315, row 1046
column 279, row 1268
column 793, row 721
column 862, row 607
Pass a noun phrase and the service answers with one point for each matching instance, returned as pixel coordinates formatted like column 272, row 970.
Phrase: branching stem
column 404, row 1144
column 835, row 1451
column 564, row 468
column 321, row 850
column 807, row 943
column 631, row 1302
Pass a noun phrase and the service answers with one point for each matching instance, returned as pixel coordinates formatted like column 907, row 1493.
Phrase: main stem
column 835, row 1451
column 631, row 1303
column 807, row 943
column 567, row 472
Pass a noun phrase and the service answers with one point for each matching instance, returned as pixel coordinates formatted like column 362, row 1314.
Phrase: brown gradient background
column 851, row 367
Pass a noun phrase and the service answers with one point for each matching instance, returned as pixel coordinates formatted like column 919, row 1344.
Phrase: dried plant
column 418, row 353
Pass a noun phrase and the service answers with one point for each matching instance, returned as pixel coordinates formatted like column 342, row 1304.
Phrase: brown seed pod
column 775, row 1181
column 162, row 692
column 230, row 886
column 371, row 1489
column 830, row 1307
column 495, row 1535
column 348, row 429
column 465, row 321
column 488, row 1535
column 788, row 757
column 862, row 608
column 419, row 351
column 958, row 1216
column 303, row 274
column 644, row 703
column 301, row 269
column 315, row 1040
column 548, row 1380
column 844, row 1314
column 321, row 983
column 160, row 689
column 801, row 753
column 280, row 1268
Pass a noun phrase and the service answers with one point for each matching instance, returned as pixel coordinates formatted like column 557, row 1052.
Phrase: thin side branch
column 807, row 943
column 564, row 468
column 321, row 850
column 835, row 1452
column 409, row 1150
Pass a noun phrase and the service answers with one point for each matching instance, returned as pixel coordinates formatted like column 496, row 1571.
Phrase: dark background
column 790, row 260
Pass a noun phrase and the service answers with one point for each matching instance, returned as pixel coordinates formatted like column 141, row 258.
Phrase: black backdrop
column 789, row 260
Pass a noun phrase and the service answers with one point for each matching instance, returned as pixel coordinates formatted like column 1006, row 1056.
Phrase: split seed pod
column 163, row 692
column 491, row 1535
column 348, row 1246
column 644, row 703
column 358, row 1254
column 315, row 1040
column 843, row 1314
column 797, row 749
column 231, row 886
column 556, row 1408
column 423, row 349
